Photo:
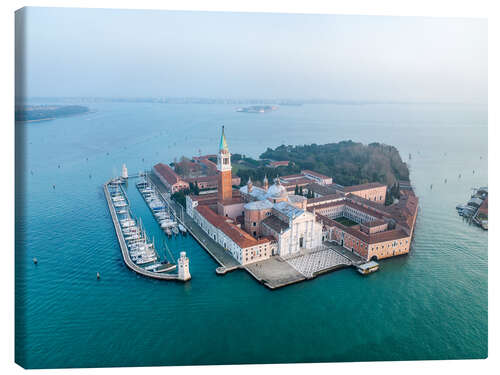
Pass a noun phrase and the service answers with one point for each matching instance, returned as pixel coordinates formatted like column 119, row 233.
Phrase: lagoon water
column 430, row 304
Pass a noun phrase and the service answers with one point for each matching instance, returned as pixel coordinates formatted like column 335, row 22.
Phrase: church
column 254, row 223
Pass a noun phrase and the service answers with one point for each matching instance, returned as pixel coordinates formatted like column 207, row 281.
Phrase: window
column 254, row 224
column 226, row 161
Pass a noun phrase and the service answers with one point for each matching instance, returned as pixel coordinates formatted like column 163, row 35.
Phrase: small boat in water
column 182, row 229
column 368, row 267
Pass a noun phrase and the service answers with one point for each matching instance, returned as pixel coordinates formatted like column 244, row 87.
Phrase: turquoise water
column 431, row 304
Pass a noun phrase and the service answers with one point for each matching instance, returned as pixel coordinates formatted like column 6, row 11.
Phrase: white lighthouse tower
column 124, row 171
column 183, row 267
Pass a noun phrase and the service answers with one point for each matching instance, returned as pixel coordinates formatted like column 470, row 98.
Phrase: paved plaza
column 312, row 264
column 274, row 272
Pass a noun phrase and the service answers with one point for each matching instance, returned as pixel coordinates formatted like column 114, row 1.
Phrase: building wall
column 212, row 184
column 181, row 185
column 303, row 227
column 242, row 255
column 178, row 186
column 331, row 212
column 375, row 194
column 232, row 211
column 380, row 250
column 253, row 219
column 388, row 249
column 374, row 229
column 190, row 206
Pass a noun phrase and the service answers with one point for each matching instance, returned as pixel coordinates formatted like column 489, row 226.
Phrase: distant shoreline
column 48, row 112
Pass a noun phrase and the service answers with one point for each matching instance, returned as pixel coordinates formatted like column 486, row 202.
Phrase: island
column 257, row 109
column 47, row 112
column 296, row 212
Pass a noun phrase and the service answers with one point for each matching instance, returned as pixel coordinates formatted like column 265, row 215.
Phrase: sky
column 131, row 53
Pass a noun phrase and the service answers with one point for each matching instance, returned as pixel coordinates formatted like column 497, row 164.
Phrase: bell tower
column 224, row 182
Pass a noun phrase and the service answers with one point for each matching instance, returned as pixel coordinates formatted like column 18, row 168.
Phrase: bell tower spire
column 224, row 185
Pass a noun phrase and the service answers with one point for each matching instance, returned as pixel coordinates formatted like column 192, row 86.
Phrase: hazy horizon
column 103, row 53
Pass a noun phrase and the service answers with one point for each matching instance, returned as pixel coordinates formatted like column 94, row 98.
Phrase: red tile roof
column 226, row 225
column 297, row 181
column 291, row 176
column 199, row 158
column 167, row 173
column 209, row 163
column 374, row 223
column 483, row 209
column 361, row 187
column 314, row 173
column 279, row 163
column 202, row 179
column 388, row 235
column 324, row 198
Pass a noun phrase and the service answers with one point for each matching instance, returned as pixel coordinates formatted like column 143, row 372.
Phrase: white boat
column 120, row 204
column 182, row 228
column 167, row 224
column 152, row 267
column 127, row 224
column 175, row 230
column 146, row 260
column 132, row 237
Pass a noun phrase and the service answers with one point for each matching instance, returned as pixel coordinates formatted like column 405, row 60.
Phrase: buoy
column 35, row 260
column 53, row 186
column 98, row 276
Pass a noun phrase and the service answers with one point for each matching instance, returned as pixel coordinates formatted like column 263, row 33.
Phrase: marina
column 160, row 209
column 139, row 253
column 476, row 209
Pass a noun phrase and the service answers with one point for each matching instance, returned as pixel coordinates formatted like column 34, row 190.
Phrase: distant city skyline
column 173, row 54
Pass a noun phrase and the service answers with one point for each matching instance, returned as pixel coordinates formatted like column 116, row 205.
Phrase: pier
column 123, row 245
